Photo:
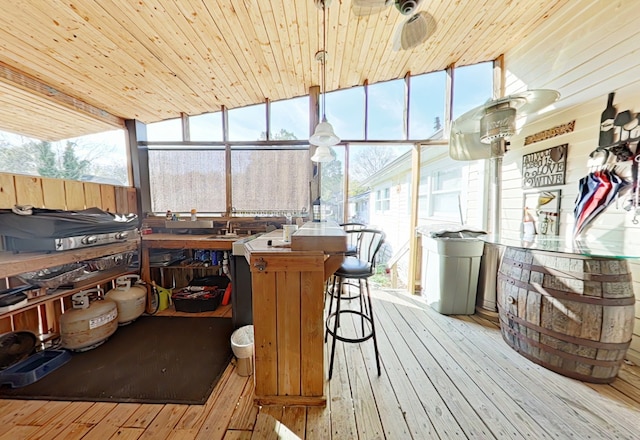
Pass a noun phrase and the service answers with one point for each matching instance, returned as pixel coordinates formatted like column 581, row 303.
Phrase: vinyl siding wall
column 586, row 51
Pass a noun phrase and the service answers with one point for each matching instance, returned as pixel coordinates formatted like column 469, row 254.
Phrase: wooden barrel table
column 572, row 314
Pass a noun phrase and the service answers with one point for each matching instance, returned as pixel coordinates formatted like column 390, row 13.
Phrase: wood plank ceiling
column 73, row 67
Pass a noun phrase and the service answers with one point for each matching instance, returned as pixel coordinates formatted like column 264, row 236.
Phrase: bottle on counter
column 194, row 217
column 169, row 215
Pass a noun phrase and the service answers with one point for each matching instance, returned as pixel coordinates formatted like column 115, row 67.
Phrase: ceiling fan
column 412, row 32
column 476, row 134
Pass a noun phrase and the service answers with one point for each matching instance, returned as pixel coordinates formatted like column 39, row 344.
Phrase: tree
column 369, row 160
column 72, row 167
column 282, row 135
column 46, row 160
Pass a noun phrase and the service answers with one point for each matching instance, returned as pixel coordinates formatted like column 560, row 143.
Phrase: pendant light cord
column 324, row 60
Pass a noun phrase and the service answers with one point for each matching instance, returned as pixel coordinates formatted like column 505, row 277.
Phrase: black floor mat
column 153, row 360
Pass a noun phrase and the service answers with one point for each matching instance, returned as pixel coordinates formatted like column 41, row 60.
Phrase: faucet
column 229, row 227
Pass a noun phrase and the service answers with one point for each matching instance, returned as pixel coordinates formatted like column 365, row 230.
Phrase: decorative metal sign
column 550, row 133
column 544, row 168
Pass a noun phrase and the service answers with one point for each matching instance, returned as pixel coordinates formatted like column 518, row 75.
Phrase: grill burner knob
column 121, row 235
column 89, row 239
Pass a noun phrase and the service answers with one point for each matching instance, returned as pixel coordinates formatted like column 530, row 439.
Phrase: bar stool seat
column 355, row 268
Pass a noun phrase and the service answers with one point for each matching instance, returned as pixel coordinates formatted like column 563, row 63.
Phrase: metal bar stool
column 353, row 233
column 360, row 268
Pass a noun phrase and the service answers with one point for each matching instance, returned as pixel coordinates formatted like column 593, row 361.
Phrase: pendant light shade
column 322, row 154
column 324, row 136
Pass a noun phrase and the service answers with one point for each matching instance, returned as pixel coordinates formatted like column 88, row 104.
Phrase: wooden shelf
column 12, row 264
column 61, row 293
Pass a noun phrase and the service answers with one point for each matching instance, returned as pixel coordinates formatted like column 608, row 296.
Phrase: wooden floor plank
column 516, row 381
column 550, row 393
column 427, row 409
column 246, row 411
column 238, row 435
column 96, row 413
column 589, row 404
column 44, row 414
column 163, row 424
column 496, row 407
column 454, row 370
column 61, row 422
column 195, row 415
column 20, row 432
column 217, row 421
column 18, row 410
column 366, row 410
column 266, row 427
column 143, row 416
column 343, row 420
column 295, row 418
column 109, row 425
column 127, row 434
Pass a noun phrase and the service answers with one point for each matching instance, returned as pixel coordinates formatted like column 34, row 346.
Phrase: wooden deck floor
column 443, row 377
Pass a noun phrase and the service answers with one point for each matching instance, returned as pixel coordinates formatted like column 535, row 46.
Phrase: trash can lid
column 440, row 231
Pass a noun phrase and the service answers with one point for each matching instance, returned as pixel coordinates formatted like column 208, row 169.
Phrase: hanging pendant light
column 323, row 136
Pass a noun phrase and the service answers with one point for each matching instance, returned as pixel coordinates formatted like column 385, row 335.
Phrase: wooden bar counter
column 288, row 303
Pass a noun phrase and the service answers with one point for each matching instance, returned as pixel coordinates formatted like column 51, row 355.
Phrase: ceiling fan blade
column 362, row 8
column 414, row 31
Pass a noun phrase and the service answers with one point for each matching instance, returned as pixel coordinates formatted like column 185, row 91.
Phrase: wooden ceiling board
column 157, row 59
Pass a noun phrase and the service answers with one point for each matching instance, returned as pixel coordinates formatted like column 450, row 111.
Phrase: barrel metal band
column 561, row 353
column 564, row 372
column 576, row 275
column 560, row 294
column 564, row 337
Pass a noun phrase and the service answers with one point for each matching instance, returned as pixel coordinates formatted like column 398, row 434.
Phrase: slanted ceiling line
column 32, row 85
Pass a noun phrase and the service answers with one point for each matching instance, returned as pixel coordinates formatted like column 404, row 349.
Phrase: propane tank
column 130, row 296
column 90, row 322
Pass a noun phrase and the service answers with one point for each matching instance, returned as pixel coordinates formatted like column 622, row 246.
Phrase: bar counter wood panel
column 288, row 303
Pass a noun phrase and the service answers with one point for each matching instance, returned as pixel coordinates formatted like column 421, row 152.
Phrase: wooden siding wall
column 596, row 56
column 43, row 192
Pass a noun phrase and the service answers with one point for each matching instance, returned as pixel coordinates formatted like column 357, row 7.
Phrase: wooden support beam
column 37, row 87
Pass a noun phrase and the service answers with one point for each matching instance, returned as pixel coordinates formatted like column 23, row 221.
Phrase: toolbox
column 201, row 295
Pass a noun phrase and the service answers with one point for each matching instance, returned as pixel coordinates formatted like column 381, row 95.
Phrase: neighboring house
column 451, row 193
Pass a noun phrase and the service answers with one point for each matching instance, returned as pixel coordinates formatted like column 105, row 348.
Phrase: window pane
column 345, row 111
column 248, row 123
column 165, row 131
column 332, row 185
column 426, row 105
column 366, row 166
column 100, row 157
column 448, row 180
column 183, row 180
column 386, row 111
column 270, row 180
column 206, row 127
column 446, row 205
column 290, row 119
column 472, row 86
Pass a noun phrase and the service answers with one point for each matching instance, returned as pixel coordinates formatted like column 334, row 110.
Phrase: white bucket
column 242, row 347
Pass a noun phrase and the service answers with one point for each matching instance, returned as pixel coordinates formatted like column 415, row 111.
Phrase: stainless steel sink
column 226, row 237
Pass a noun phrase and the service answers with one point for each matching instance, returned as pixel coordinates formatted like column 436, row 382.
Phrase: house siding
column 587, row 50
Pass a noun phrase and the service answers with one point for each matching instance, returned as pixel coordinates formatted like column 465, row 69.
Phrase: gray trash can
column 450, row 267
